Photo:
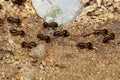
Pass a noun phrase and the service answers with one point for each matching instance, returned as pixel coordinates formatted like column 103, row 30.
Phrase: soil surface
column 60, row 59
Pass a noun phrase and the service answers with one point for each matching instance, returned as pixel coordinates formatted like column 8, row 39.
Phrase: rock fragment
column 38, row 52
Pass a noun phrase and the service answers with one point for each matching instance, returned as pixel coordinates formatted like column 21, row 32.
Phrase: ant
column 52, row 25
column 64, row 33
column 43, row 37
column 88, row 45
column 102, row 32
column 14, row 20
column 108, row 38
column 15, row 32
column 19, row 2
column 29, row 45
column 98, row 32
column 45, row 24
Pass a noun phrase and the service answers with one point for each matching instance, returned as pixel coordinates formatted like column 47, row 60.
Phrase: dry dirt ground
column 60, row 59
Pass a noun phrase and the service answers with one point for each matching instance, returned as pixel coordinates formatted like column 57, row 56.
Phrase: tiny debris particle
column 99, row 2
column 43, row 63
column 23, row 15
column 60, row 64
column 34, row 61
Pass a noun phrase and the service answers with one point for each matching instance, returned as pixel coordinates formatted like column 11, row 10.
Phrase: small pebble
column 38, row 52
column 60, row 64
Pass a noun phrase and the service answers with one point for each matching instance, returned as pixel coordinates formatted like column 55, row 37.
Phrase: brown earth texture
column 60, row 59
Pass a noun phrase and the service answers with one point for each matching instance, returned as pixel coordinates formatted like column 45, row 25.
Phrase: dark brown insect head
column 45, row 24
column 24, row 44
column 89, row 45
column 105, row 39
column 65, row 33
column 104, row 32
column 112, row 36
column 22, row 33
column 47, row 39
column 108, row 38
